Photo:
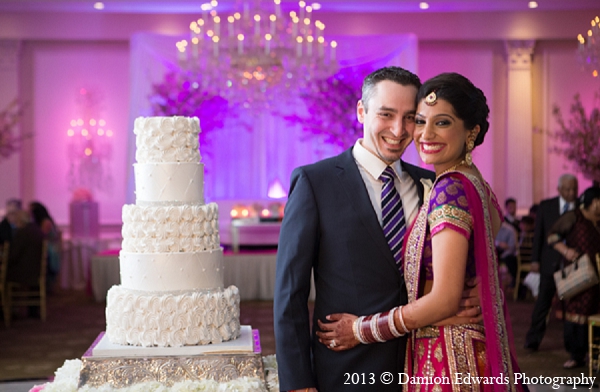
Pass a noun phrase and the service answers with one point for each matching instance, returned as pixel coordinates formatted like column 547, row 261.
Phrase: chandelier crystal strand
column 588, row 52
column 258, row 54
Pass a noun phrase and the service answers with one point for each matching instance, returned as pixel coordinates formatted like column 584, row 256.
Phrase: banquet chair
column 3, row 293
column 18, row 295
column 521, row 267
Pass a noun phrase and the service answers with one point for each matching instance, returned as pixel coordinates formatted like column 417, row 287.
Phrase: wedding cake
column 171, row 292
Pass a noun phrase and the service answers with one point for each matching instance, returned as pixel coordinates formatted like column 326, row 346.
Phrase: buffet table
column 254, row 232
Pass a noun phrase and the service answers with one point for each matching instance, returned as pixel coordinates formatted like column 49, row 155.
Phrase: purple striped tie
column 392, row 214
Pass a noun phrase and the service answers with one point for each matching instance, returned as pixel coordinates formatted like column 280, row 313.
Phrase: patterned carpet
column 33, row 350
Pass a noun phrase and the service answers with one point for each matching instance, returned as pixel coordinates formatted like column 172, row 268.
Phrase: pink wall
column 60, row 69
column 64, row 52
column 475, row 61
column 559, row 80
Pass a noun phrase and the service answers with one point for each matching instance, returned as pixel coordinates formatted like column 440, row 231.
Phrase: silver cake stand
column 123, row 366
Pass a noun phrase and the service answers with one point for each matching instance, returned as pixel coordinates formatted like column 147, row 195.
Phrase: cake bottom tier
column 147, row 319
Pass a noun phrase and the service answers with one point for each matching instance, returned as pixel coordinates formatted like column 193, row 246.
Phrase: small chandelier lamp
column 588, row 52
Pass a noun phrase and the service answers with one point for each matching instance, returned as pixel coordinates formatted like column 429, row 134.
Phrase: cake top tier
column 167, row 139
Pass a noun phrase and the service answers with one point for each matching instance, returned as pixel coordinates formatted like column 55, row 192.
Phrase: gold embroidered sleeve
column 447, row 215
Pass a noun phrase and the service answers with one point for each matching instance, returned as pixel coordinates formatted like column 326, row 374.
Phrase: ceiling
column 193, row 6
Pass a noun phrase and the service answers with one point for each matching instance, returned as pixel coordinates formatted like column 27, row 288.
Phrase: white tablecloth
column 76, row 258
column 105, row 272
column 252, row 273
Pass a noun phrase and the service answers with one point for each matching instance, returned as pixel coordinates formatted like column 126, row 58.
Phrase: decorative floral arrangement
column 580, row 137
column 178, row 95
column 9, row 141
column 331, row 107
column 67, row 379
column 81, row 195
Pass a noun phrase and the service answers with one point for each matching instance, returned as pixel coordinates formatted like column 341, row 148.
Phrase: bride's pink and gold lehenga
column 443, row 356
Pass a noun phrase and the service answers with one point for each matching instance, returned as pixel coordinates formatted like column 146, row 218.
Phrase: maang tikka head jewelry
column 431, row 99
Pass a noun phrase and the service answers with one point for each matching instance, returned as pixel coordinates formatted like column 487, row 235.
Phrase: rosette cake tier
column 171, row 262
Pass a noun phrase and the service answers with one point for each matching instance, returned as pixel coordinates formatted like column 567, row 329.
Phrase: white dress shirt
column 371, row 167
column 562, row 203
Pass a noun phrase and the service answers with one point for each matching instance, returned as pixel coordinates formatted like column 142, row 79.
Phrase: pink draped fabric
column 499, row 346
column 488, row 353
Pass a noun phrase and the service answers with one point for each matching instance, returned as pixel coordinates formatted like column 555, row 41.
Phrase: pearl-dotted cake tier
column 158, row 229
column 172, row 271
column 169, row 182
column 172, row 320
column 167, row 139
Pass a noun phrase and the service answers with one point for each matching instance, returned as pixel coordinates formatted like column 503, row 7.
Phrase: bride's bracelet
column 401, row 318
column 379, row 327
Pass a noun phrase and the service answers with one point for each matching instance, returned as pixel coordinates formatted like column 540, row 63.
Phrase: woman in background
column 44, row 221
column 573, row 234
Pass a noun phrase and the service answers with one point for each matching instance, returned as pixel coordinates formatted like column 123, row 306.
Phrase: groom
column 332, row 228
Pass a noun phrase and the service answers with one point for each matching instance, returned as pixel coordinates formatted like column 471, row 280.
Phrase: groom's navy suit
column 331, row 228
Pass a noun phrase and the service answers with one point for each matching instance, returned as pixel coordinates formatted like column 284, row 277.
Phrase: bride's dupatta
column 499, row 353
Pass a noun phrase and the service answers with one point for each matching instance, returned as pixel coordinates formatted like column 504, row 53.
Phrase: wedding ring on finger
column 479, row 309
column 332, row 344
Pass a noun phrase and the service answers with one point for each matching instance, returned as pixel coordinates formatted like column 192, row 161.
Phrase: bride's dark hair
column 468, row 101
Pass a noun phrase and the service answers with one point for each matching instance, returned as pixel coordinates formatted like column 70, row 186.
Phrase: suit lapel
column 556, row 210
column 412, row 172
column 353, row 185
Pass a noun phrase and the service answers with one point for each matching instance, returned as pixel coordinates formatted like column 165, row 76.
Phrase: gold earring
column 470, row 147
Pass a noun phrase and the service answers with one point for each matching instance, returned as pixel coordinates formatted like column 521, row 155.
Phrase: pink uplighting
column 251, row 157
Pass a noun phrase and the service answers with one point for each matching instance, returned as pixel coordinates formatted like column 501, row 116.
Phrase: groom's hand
column 470, row 306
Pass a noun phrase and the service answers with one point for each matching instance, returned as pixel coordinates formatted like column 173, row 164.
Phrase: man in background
column 544, row 258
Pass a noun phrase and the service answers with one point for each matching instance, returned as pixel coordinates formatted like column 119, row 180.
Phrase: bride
column 450, row 242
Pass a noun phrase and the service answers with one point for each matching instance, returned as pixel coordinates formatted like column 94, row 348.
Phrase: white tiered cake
column 171, row 323
column 171, row 291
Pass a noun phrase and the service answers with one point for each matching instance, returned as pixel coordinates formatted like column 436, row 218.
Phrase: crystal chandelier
column 258, row 54
column 588, row 52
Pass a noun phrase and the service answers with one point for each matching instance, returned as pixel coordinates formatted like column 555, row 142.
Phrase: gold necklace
column 463, row 162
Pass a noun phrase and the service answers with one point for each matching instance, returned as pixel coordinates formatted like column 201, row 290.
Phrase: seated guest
column 507, row 248
column 24, row 260
column 6, row 229
column 511, row 213
column 527, row 224
column 526, row 239
column 533, row 211
column 45, row 223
